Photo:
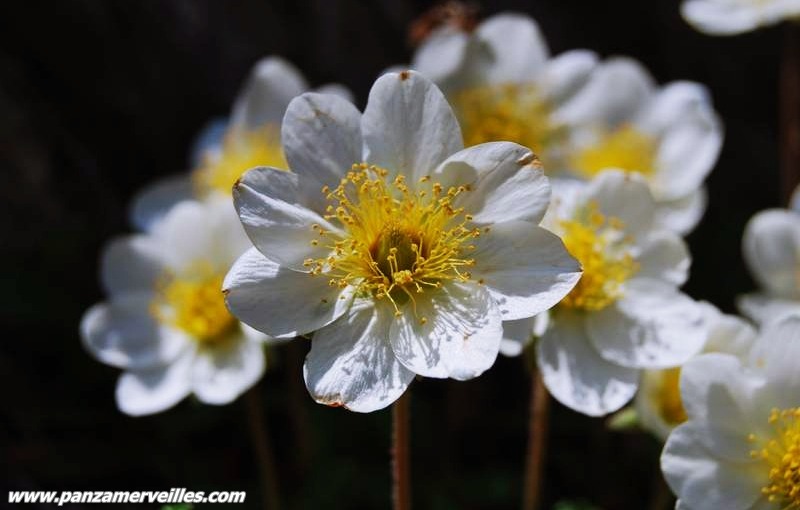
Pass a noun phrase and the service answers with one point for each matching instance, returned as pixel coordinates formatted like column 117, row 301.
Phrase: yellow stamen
column 397, row 242
column 241, row 150
column 668, row 395
column 193, row 302
column 600, row 246
column 781, row 456
column 624, row 148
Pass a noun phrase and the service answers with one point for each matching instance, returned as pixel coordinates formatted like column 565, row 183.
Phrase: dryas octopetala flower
column 658, row 402
column 771, row 246
column 626, row 312
column 226, row 148
column 165, row 322
column 401, row 250
column 580, row 115
column 740, row 447
column 730, row 17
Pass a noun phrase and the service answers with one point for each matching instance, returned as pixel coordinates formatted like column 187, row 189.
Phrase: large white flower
column 626, row 312
column 740, row 448
column 771, row 246
column 580, row 115
column 401, row 250
column 658, row 401
column 729, row 17
column 250, row 137
column 165, row 322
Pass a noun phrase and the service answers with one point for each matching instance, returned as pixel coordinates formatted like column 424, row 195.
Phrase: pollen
column 241, row 150
column 193, row 302
column 396, row 240
column 624, row 148
column 781, row 456
column 670, row 405
column 600, row 246
column 515, row 113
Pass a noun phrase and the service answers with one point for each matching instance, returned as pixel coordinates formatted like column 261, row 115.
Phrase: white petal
column 526, row 268
column 408, row 127
column 763, row 308
column 732, row 335
column 672, row 104
column 506, row 180
column 517, row 334
column 208, row 141
column 351, row 362
column 576, row 375
column 776, row 353
column 519, row 51
column 152, row 391
column 565, row 74
column 652, row 326
column 336, row 89
column 221, row 373
column 460, row 339
column 271, row 206
column 272, row 83
column 683, row 214
column 441, row 54
column 123, row 333
column 623, row 196
column 132, row 263
column 720, row 18
column 664, row 257
column 321, row 136
column 771, row 246
column 277, row 300
column 704, row 482
column 154, row 201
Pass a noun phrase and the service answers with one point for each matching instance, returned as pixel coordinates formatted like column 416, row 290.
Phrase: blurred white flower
column 740, row 448
column 165, row 322
column 771, row 247
column 580, row 115
column 626, row 313
column 401, row 250
column 226, row 148
column 729, row 17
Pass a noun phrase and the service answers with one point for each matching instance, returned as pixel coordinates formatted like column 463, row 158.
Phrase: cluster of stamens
column 624, row 148
column 781, row 453
column 394, row 241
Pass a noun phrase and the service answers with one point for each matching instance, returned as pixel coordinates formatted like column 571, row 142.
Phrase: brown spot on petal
column 530, row 159
column 404, row 75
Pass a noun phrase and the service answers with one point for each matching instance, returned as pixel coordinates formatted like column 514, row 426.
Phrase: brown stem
column 259, row 434
column 538, row 420
column 298, row 411
column 790, row 111
column 401, row 472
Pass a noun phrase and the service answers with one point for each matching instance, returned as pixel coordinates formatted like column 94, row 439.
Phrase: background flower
column 729, row 17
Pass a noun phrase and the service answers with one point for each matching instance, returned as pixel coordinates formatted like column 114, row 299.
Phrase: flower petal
column 652, row 326
column 576, row 375
column 775, row 354
column 623, row 196
column 682, row 214
column 351, row 362
column 506, row 182
column 220, row 374
column 771, row 246
column 720, row 18
column 519, row 51
column 131, row 263
column 526, row 268
column 664, row 257
column 460, row 338
column 272, row 83
column 123, row 333
column 154, row 201
column 208, row 141
column 408, row 127
column 321, row 137
column 517, row 334
column 441, row 54
column 763, row 308
column 277, row 300
column 155, row 390
column 567, row 73
column 336, row 89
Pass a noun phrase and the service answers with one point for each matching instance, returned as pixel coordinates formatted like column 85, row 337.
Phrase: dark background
column 98, row 98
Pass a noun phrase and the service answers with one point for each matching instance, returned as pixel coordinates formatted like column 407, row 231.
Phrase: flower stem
column 401, row 472
column 298, row 412
column 790, row 111
column 259, row 435
column 538, row 419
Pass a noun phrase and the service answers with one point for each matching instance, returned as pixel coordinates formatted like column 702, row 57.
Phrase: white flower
column 658, row 401
column 729, row 17
column 401, row 250
column 228, row 147
column 740, row 448
column 580, row 115
column 771, row 247
column 626, row 313
column 165, row 322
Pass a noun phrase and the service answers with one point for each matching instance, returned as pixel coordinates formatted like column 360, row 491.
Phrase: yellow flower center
column 193, row 302
column 624, row 148
column 670, row 405
column 397, row 242
column 508, row 112
column 781, row 454
column 241, row 150
column 599, row 244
